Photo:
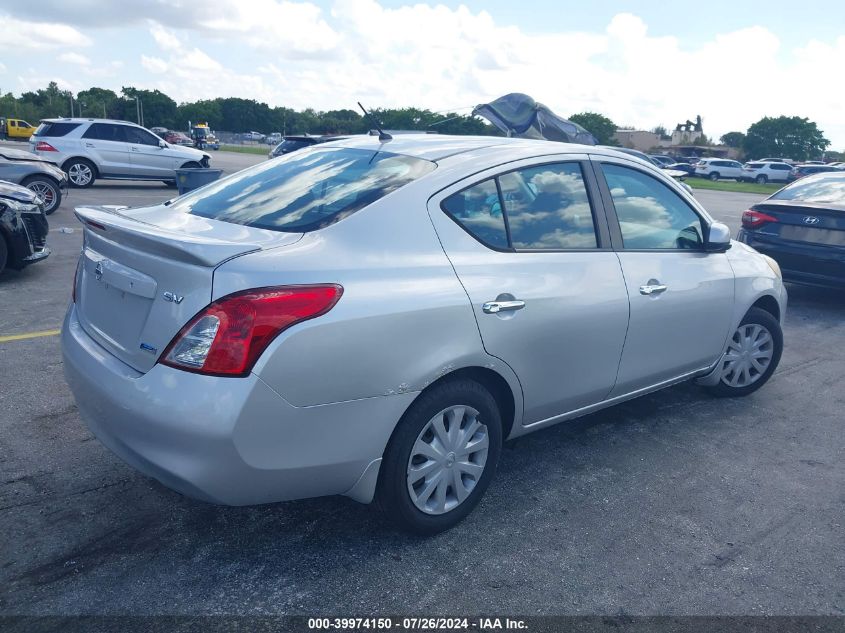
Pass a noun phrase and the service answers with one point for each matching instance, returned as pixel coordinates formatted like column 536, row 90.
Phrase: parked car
column 41, row 176
column 664, row 161
column 273, row 139
column 178, row 138
column 802, row 227
column 763, row 172
column 788, row 161
column 88, row 149
column 159, row 131
column 687, row 168
column 799, row 171
column 814, row 162
column 293, row 143
column 374, row 318
column 716, row 168
column 18, row 130
column 253, row 136
column 23, row 227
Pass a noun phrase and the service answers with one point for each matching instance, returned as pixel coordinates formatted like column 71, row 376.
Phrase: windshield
column 306, row 190
column 829, row 189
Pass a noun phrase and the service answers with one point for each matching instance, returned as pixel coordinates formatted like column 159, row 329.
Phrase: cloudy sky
column 642, row 63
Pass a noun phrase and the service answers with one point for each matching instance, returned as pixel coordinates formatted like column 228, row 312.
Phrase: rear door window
column 105, row 132
column 479, row 211
column 306, row 190
column 547, row 208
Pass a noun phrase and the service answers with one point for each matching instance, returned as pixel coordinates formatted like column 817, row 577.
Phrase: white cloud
column 22, row 35
column 74, row 58
column 2, row 68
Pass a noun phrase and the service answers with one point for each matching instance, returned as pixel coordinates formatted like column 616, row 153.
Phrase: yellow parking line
column 22, row 337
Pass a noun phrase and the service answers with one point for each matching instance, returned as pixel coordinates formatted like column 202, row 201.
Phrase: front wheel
column 753, row 354
column 714, row 176
column 761, row 179
column 47, row 189
column 441, row 457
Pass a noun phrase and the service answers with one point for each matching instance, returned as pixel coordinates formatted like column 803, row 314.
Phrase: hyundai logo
column 98, row 271
column 811, row 219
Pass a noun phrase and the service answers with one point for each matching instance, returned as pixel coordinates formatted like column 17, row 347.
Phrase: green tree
column 732, row 139
column 791, row 137
column 95, row 102
column 598, row 125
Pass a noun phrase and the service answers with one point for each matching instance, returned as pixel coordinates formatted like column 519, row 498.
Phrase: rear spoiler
column 108, row 223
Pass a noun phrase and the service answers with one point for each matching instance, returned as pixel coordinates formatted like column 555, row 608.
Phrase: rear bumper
column 232, row 441
column 801, row 263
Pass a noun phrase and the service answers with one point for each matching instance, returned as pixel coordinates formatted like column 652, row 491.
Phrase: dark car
column 799, row 171
column 43, row 177
column 802, row 227
column 684, row 167
column 23, row 227
column 292, row 143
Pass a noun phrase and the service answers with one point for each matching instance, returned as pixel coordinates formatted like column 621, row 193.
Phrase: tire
column 4, row 254
column 761, row 179
column 464, row 403
column 191, row 165
column 81, row 173
column 746, row 339
column 48, row 189
column 714, row 176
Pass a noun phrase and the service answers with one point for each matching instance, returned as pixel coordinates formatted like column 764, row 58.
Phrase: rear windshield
column 53, row 130
column 290, row 145
column 755, row 165
column 829, row 189
column 306, row 190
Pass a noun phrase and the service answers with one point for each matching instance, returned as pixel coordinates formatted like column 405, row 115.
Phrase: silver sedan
column 373, row 318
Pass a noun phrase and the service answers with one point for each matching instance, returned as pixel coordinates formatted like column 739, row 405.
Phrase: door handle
column 494, row 307
column 653, row 288
column 89, row 145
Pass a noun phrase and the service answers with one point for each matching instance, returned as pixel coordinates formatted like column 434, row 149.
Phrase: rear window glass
column 820, row 189
column 291, row 145
column 54, row 130
column 755, row 165
column 304, row 191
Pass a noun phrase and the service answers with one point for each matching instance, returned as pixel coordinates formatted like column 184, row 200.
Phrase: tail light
column 754, row 219
column 44, row 146
column 228, row 336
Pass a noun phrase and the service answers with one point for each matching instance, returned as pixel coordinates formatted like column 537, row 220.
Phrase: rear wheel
column 4, row 254
column 80, row 172
column 753, row 354
column 47, row 189
column 761, row 179
column 441, row 457
column 714, row 176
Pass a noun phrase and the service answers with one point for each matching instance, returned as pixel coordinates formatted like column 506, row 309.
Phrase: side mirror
column 162, row 144
column 718, row 238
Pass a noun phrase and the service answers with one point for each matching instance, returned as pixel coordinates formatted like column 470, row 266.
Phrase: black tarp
column 518, row 115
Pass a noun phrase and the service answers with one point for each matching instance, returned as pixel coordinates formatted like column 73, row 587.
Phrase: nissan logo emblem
column 98, row 271
column 811, row 219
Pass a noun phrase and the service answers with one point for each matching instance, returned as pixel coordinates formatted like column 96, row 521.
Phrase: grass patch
column 732, row 185
column 246, row 149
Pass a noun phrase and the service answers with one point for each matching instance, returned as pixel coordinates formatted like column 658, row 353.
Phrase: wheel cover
column 749, row 355
column 44, row 191
column 447, row 460
column 80, row 174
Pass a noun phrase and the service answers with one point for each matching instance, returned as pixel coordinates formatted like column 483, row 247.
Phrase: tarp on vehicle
column 518, row 115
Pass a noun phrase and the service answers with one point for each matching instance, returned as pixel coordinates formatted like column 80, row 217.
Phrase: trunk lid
column 146, row 272
column 804, row 222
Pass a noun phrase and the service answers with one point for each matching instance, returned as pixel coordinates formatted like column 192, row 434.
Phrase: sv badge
column 173, row 297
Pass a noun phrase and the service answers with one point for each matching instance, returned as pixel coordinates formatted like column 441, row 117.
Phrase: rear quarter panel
column 754, row 279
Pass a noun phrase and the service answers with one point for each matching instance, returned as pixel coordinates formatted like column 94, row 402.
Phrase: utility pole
column 141, row 104
column 71, row 105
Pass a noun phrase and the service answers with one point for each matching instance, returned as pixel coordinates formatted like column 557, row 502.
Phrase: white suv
column 715, row 168
column 763, row 172
column 88, row 149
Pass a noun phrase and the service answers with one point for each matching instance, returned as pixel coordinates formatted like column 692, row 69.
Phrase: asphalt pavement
column 675, row 503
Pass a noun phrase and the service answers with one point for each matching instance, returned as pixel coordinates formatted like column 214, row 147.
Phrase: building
column 682, row 142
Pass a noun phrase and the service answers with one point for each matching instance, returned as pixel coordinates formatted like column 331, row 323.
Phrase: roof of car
column 437, row 147
column 86, row 120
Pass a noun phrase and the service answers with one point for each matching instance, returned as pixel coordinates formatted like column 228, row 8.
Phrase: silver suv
column 88, row 149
